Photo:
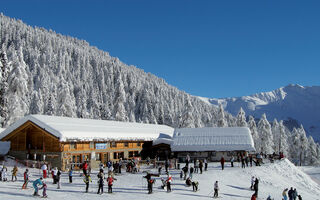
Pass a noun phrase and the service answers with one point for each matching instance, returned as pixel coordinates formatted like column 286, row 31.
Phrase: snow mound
column 286, row 174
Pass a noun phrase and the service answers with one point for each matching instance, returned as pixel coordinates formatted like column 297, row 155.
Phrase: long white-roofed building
column 65, row 141
column 211, row 142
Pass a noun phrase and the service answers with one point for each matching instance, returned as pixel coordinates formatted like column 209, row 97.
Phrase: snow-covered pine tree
column 265, row 134
column 186, row 120
column 312, row 157
column 3, row 88
column 276, row 135
column 282, row 139
column 254, row 132
column 120, row 112
column 241, row 118
column 221, row 118
column 295, row 146
column 18, row 88
column 303, row 145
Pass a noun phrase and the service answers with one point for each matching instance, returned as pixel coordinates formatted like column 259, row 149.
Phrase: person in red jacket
column 253, row 197
column 85, row 168
column 222, row 162
column 110, row 180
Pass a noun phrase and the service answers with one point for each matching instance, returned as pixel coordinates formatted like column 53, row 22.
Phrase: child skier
column 150, row 181
column 100, row 181
column 169, row 180
column 44, row 190
column 58, row 179
column 86, row 180
column 195, row 185
column 252, row 182
column 4, row 174
column 70, row 175
column 216, row 188
column 14, row 173
column 26, row 179
column 110, row 180
column 35, row 186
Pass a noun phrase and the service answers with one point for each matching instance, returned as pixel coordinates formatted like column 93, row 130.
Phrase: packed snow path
column 234, row 184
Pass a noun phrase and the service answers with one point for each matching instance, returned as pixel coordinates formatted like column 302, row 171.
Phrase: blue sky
column 206, row 48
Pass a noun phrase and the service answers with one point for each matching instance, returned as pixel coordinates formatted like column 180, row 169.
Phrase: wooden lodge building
column 64, row 141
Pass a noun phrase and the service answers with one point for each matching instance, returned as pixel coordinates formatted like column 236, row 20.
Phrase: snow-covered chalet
column 210, row 142
column 65, row 141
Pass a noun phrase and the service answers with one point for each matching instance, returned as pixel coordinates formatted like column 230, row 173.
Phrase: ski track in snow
column 234, row 184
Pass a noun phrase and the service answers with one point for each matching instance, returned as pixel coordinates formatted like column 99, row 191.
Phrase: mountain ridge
column 293, row 101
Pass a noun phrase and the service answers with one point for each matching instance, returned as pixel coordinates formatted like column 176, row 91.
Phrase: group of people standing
column 292, row 194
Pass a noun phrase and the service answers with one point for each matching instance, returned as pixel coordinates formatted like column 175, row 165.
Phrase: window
column 126, row 144
column 139, row 144
column 115, row 155
column 91, row 145
column 73, row 145
column 113, row 144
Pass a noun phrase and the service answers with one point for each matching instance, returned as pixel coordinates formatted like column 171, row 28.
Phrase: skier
column 1, row 166
column 295, row 194
column 250, row 159
column 222, row 162
column 169, row 180
column 232, row 160
column 58, row 179
column 243, row 165
column 290, row 193
column 185, row 171
column 256, row 186
column 26, row 179
column 44, row 170
column 188, row 181
column 187, row 160
column 120, row 165
column 100, row 181
column 85, row 168
column 110, row 180
column 14, row 173
column 70, row 174
column 44, row 190
column 195, row 185
column 252, row 182
column 191, row 172
column 4, row 173
column 216, row 188
column 284, row 194
column 35, row 186
column 150, row 181
column 86, row 180
column 54, row 175
column 205, row 165
column 196, row 166
column 101, row 166
column 164, row 183
column 299, row 197
column 166, row 165
column 200, row 166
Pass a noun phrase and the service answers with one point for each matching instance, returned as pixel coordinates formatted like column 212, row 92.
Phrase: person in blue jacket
column 35, row 186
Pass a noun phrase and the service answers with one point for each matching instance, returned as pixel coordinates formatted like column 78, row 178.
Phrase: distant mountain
column 294, row 103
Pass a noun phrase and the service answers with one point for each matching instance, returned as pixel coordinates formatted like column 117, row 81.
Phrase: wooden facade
column 30, row 141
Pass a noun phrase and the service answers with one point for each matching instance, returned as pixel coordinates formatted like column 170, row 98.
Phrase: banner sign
column 101, row 145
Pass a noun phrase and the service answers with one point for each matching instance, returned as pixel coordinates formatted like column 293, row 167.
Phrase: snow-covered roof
column 163, row 139
column 4, row 148
column 66, row 128
column 212, row 139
